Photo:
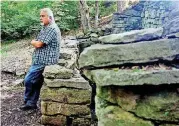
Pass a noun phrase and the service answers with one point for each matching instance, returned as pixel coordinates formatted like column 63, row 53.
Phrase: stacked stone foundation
column 65, row 98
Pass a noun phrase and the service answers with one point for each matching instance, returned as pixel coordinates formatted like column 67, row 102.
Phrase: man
column 46, row 53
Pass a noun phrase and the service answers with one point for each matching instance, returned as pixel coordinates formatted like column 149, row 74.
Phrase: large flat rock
column 58, row 120
column 81, row 122
column 65, row 95
column 79, row 83
column 67, row 54
column 133, row 36
column 158, row 103
column 147, row 51
column 55, row 108
column 105, row 77
column 109, row 115
column 58, row 72
column 172, row 25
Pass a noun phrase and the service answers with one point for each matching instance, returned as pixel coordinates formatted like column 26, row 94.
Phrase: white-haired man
column 46, row 53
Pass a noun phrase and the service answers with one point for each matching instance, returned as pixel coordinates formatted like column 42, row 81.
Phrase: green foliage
column 66, row 15
column 20, row 18
column 104, row 10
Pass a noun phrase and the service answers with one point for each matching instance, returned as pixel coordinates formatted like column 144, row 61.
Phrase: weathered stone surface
column 71, row 64
column 70, row 37
column 174, row 35
column 84, row 44
column 62, row 62
column 94, row 35
column 66, row 53
column 81, row 122
column 82, row 35
column 54, row 108
column 107, row 55
column 162, row 106
column 133, row 36
column 126, row 99
column 169, row 125
column 109, row 115
column 65, row 95
column 58, row 120
column 132, row 12
column 80, row 83
column 72, row 44
column 56, row 71
column 172, row 26
column 159, row 103
column 105, row 77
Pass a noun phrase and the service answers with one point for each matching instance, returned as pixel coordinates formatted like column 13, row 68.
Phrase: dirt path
column 12, row 116
column 11, row 100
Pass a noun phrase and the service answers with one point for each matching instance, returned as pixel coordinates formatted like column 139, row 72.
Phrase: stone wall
column 65, row 98
column 136, row 75
column 146, row 14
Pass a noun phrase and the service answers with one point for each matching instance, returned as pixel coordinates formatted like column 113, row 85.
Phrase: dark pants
column 33, row 83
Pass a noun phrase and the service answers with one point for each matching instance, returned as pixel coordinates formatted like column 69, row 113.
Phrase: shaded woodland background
column 21, row 18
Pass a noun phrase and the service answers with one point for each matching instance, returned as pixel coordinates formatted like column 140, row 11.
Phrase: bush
column 66, row 15
column 19, row 19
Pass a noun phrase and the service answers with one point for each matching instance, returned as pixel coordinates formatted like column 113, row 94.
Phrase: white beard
column 42, row 24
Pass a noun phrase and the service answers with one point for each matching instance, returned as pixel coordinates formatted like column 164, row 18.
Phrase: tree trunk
column 121, row 5
column 85, row 18
column 97, row 13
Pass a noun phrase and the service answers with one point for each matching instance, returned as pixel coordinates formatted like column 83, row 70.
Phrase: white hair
column 49, row 13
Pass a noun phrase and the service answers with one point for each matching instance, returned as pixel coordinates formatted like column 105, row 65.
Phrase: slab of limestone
column 66, row 95
column 147, row 51
column 148, row 102
column 56, row 71
column 58, row 120
column 69, row 64
column 55, row 108
column 106, row 77
column 174, row 35
column 112, row 115
column 81, row 121
column 172, row 25
column 62, row 62
column 79, row 83
column 132, row 36
column 66, row 53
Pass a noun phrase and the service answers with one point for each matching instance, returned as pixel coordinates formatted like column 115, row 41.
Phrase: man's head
column 46, row 16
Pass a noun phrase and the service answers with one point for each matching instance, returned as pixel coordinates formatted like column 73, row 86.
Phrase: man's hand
column 37, row 44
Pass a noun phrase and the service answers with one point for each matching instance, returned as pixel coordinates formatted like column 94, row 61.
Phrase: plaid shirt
column 49, row 53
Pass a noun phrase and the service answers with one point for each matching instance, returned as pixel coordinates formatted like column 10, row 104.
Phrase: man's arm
column 37, row 44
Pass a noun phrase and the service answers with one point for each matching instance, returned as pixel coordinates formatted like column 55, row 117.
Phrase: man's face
column 44, row 18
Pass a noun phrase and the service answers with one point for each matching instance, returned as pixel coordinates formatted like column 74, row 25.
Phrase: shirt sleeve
column 47, row 36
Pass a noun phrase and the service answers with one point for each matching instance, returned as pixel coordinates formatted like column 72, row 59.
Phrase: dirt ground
column 11, row 94
column 11, row 100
